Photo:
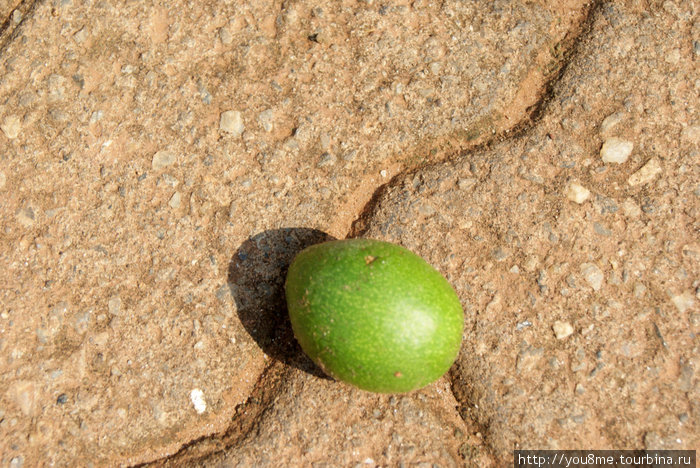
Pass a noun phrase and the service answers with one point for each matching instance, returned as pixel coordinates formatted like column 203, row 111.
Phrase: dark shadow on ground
column 256, row 276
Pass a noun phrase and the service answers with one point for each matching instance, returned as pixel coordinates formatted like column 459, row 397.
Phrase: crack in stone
column 244, row 421
column 527, row 123
column 272, row 378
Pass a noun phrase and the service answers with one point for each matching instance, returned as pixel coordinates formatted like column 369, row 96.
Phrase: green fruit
column 373, row 314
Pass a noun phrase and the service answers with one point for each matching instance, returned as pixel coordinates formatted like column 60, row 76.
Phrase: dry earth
column 161, row 164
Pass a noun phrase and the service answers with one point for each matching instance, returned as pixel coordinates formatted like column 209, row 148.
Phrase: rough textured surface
column 620, row 269
column 161, row 164
column 316, row 422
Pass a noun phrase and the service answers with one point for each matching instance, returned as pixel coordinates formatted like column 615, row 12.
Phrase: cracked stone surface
column 317, row 422
column 577, row 331
column 160, row 165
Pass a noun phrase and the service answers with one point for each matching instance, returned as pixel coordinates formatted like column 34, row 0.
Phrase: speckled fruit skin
column 373, row 314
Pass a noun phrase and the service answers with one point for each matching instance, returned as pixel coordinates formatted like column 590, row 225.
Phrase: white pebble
column 232, row 122
column 81, row 35
column 114, row 305
column 25, row 216
column 646, row 174
column 265, row 119
column 562, row 329
column 691, row 134
column 616, row 150
column 197, row 398
column 3, row 180
column 24, row 394
column 610, row 121
column 673, row 57
column 163, row 158
column 593, row 275
column 466, row 183
column 631, row 209
column 577, row 193
column 11, row 126
column 225, row 36
column 175, row 200
column 683, row 301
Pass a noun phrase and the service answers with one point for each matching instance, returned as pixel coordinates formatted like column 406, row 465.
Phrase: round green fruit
column 373, row 314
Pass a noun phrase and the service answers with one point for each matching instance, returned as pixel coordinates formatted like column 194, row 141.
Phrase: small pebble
column 3, row 180
column 170, row 180
column 232, row 122
column 349, row 155
column 616, row 150
column 610, row 121
column 593, row 275
column 601, row 230
column 466, row 183
column 204, row 93
column 80, row 36
column 531, row 263
column 577, row 193
column 225, row 36
column 683, row 301
column 646, row 174
column 57, row 87
column 114, row 305
column 24, row 394
column 528, row 359
column 175, row 200
column 426, row 209
column 26, row 217
column 96, row 116
column 163, row 158
column 265, row 119
column 197, row 398
column 631, row 209
column 327, row 159
column 673, row 57
column 501, row 254
column 223, row 293
column 691, row 134
column 11, row 126
column 562, row 329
